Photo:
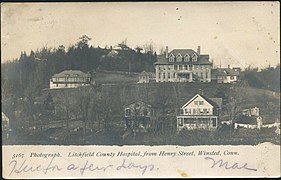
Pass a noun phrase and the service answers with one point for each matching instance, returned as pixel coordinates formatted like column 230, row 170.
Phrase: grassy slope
column 118, row 83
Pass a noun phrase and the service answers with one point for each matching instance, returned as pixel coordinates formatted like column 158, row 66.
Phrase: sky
column 232, row 33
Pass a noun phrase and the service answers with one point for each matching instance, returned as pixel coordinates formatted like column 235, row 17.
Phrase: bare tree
column 64, row 106
column 162, row 100
column 84, row 99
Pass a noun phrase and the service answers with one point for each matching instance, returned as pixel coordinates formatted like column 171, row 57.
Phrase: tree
column 83, row 43
column 84, row 98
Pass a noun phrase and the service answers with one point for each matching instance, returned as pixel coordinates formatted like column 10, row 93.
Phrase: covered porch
column 184, row 76
column 197, row 122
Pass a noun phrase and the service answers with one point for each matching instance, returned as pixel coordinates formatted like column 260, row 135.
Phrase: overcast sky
column 237, row 33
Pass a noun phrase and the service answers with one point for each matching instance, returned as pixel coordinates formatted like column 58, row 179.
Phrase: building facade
column 138, row 115
column 255, row 111
column 199, row 113
column 146, row 77
column 70, row 79
column 225, row 75
column 183, row 65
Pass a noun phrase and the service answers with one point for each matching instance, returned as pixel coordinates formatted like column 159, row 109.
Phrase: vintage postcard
column 138, row 90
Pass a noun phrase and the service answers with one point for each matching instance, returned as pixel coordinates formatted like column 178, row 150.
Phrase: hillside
column 110, row 77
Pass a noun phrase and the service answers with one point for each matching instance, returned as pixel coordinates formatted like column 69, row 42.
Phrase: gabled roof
column 202, row 59
column 209, row 100
column 150, row 74
column 182, row 52
column 246, row 119
column 225, row 72
column 71, row 73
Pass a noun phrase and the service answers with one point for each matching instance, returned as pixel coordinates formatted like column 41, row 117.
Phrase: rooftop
column 215, row 102
column 225, row 71
column 202, row 58
column 71, row 73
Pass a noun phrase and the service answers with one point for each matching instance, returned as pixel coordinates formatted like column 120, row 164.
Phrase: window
column 171, row 58
column 185, row 67
column 231, row 77
column 202, row 74
column 164, row 76
column 205, row 111
column 186, row 58
column 57, row 85
column 187, row 111
column 194, row 57
column 179, row 58
column 190, row 67
column 174, row 75
column 194, row 111
column 159, row 68
column 180, row 67
column 159, row 76
column 175, row 67
column 164, row 68
column 128, row 112
column 196, row 102
column 181, row 111
column 168, row 75
column 201, row 102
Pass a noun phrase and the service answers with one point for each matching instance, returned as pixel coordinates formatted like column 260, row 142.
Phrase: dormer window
column 186, row 58
column 194, row 57
column 171, row 58
column 179, row 58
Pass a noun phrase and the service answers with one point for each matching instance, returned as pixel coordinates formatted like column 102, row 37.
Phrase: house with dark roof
column 146, row 77
column 70, row 79
column 139, row 115
column 199, row 112
column 225, row 75
column 183, row 65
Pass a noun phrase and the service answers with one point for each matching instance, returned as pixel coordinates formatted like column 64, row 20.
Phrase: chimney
column 167, row 51
column 198, row 51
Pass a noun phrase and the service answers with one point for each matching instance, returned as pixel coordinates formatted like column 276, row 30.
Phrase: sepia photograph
column 141, row 76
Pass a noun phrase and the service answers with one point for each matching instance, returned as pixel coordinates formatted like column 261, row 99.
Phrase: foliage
column 267, row 78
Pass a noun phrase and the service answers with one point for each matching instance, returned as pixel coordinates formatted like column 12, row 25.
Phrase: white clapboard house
column 199, row 112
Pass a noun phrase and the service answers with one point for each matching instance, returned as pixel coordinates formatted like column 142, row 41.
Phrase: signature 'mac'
column 227, row 165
